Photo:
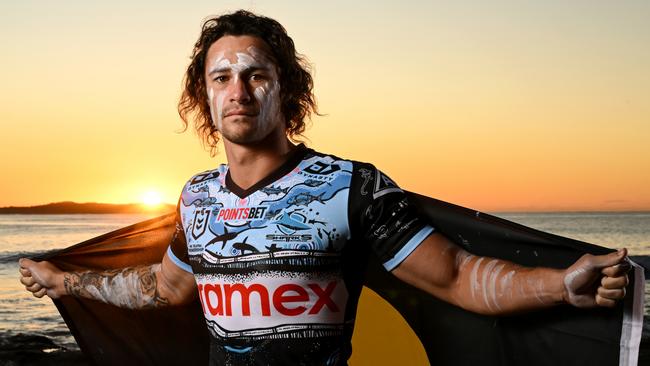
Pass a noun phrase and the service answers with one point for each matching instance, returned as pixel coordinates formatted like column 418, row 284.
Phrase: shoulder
column 207, row 176
column 316, row 161
column 197, row 187
column 365, row 176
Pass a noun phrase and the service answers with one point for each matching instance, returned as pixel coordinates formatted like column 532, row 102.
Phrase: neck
column 250, row 163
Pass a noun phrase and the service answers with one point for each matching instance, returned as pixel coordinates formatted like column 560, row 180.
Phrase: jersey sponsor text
column 242, row 213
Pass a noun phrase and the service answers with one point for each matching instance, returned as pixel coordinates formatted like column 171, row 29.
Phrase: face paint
column 215, row 112
column 216, row 108
column 266, row 96
column 269, row 100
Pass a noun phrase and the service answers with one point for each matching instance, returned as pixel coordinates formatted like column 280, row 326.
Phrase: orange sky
column 498, row 107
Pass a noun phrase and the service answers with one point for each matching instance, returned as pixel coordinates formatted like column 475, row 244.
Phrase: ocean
column 28, row 235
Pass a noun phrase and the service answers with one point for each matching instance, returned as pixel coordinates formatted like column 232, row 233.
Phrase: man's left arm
column 498, row 287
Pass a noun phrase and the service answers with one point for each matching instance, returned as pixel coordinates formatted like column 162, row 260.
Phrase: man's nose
column 239, row 91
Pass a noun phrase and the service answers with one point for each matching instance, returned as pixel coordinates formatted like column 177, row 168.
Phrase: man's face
column 243, row 89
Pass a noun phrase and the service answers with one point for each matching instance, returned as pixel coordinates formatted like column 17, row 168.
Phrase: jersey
column 279, row 266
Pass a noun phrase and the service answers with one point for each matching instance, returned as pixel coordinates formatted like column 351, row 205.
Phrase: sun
column 151, row 199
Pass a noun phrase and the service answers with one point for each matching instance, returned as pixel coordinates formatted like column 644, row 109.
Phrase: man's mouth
column 240, row 112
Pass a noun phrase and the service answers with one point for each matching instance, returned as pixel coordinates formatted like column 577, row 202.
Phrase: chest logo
column 287, row 299
column 289, row 223
column 241, row 213
column 200, row 222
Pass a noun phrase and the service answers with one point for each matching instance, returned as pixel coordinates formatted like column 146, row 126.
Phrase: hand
column 41, row 278
column 596, row 280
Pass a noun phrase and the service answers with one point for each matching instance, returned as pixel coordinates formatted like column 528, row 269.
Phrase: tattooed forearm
column 132, row 288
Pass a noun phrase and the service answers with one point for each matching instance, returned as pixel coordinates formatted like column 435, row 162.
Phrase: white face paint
column 216, row 108
column 258, row 100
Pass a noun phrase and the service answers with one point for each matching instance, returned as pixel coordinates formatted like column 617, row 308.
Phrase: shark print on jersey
column 284, row 262
column 289, row 219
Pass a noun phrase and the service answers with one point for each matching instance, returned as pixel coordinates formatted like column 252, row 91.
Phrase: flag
column 562, row 335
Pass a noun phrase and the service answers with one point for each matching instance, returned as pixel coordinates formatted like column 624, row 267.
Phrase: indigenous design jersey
column 279, row 267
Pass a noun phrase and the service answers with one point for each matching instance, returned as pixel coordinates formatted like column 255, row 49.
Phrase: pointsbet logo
column 241, row 213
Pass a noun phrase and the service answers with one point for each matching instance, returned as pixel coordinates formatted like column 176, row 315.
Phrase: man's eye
column 257, row 77
column 220, row 79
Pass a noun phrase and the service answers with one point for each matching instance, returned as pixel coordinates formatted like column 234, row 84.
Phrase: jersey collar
column 294, row 159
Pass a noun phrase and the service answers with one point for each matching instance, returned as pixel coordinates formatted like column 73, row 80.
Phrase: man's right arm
column 140, row 287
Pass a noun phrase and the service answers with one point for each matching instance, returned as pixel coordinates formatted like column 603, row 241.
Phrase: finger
column 608, row 303
column 25, row 272
column 27, row 281
column 26, row 263
column 40, row 293
column 614, row 282
column 617, row 270
column 607, row 260
column 33, row 288
column 616, row 294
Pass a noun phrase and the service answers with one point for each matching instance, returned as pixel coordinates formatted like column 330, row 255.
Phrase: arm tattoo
column 132, row 288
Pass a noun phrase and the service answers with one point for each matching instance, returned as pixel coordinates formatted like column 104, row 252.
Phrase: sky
column 497, row 106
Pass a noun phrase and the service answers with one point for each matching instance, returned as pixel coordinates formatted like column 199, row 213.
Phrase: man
column 275, row 243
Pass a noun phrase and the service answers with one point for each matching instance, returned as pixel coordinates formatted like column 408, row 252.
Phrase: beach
column 32, row 331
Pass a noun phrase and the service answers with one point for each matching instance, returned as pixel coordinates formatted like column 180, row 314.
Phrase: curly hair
column 296, row 83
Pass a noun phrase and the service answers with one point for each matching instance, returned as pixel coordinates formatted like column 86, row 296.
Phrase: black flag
column 561, row 335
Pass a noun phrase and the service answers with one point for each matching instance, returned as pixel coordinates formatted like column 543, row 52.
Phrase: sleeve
column 177, row 250
column 382, row 216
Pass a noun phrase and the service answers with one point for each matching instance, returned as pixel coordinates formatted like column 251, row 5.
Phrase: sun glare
column 151, row 199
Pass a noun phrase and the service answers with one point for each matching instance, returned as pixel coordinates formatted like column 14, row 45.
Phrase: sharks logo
column 285, row 246
column 289, row 223
column 200, row 222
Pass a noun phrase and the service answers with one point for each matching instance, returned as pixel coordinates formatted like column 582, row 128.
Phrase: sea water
column 29, row 235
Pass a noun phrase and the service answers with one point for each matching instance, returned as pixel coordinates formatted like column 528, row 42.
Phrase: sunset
column 151, row 199
column 532, row 118
column 516, row 106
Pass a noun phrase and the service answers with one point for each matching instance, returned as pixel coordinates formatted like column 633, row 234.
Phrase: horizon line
column 495, row 211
